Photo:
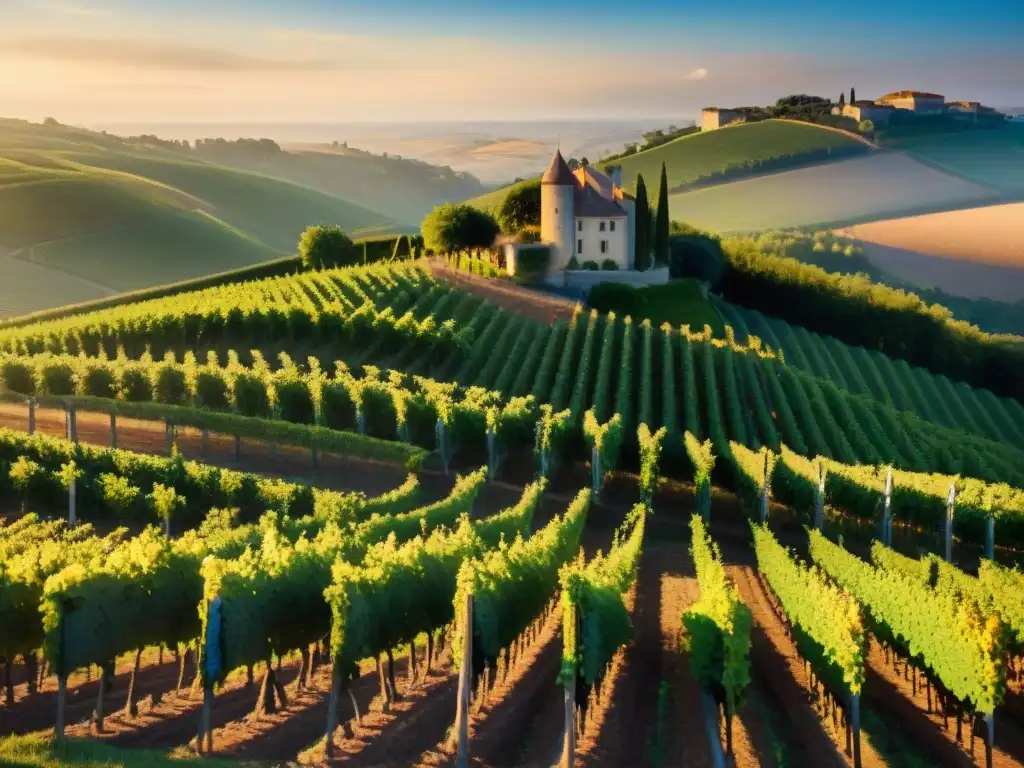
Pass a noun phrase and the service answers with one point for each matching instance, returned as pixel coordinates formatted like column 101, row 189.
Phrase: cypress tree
column 643, row 225
column 842, row 99
column 853, row 96
column 661, row 223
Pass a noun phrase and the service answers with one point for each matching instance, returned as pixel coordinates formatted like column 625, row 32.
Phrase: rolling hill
column 994, row 158
column 88, row 214
column 701, row 155
column 880, row 185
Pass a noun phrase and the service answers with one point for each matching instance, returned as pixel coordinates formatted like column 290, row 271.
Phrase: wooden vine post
column 855, row 725
column 990, row 536
column 332, row 709
column 990, row 735
column 819, row 499
column 72, row 511
column 238, row 448
column 31, row 415
column 465, row 685
column 113, row 430
column 211, row 662
column 169, row 436
column 950, row 508
column 72, row 419
column 887, row 511
column 765, row 490
column 62, row 685
column 569, row 736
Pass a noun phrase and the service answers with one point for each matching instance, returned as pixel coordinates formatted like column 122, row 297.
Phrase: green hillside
column 158, row 249
column 403, row 189
column 699, row 155
column 268, row 209
column 991, row 157
column 90, row 214
column 877, row 186
column 28, row 287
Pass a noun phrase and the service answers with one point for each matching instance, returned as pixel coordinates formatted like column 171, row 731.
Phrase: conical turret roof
column 558, row 172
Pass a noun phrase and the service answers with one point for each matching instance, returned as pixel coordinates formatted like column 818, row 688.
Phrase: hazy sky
column 107, row 61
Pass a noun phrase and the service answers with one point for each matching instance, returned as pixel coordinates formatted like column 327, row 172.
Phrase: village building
column 713, row 117
column 918, row 102
column 586, row 216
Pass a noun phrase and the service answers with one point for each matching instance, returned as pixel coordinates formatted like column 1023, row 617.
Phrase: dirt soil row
column 505, row 294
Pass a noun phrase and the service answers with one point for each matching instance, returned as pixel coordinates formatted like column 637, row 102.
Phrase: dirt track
column 505, row 294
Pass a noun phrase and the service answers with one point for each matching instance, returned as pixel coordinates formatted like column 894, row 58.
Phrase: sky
column 100, row 62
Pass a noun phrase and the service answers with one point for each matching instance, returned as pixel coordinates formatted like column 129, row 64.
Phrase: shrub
column 591, row 265
column 529, row 235
column 323, row 247
column 623, row 300
column 339, row 412
column 521, row 207
column 169, row 385
column 574, row 263
column 250, row 395
column 532, row 263
column 212, row 389
column 609, row 265
column 133, row 383
column 295, row 402
column 18, row 377
column 56, row 377
column 696, row 254
column 454, row 227
column 96, row 378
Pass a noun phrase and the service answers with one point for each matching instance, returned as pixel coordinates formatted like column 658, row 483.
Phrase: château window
column 602, row 226
column 579, row 246
column 611, row 226
column 579, row 226
column 604, row 246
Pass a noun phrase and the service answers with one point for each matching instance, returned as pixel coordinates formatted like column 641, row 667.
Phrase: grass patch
column 679, row 302
column 877, row 186
column 697, row 155
column 162, row 248
column 689, row 158
column 37, row 750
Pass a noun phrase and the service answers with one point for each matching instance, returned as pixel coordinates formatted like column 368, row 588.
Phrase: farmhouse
column 713, row 117
column 918, row 102
column 585, row 215
column 866, row 110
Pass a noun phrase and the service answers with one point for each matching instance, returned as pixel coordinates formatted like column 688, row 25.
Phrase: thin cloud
column 154, row 55
column 697, row 74
column 69, row 7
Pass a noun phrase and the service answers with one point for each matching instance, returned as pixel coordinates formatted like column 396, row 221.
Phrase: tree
column 584, row 162
column 50, row 122
column 643, row 226
column 842, row 99
column 661, row 223
column 853, row 95
column 866, row 126
column 454, row 227
column 324, row 246
column 521, row 208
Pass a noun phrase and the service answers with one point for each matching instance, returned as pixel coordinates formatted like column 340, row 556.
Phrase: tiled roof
column 558, row 172
column 588, row 203
column 911, row 94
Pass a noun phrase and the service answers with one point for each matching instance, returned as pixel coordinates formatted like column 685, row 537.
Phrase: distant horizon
column 102, row 62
